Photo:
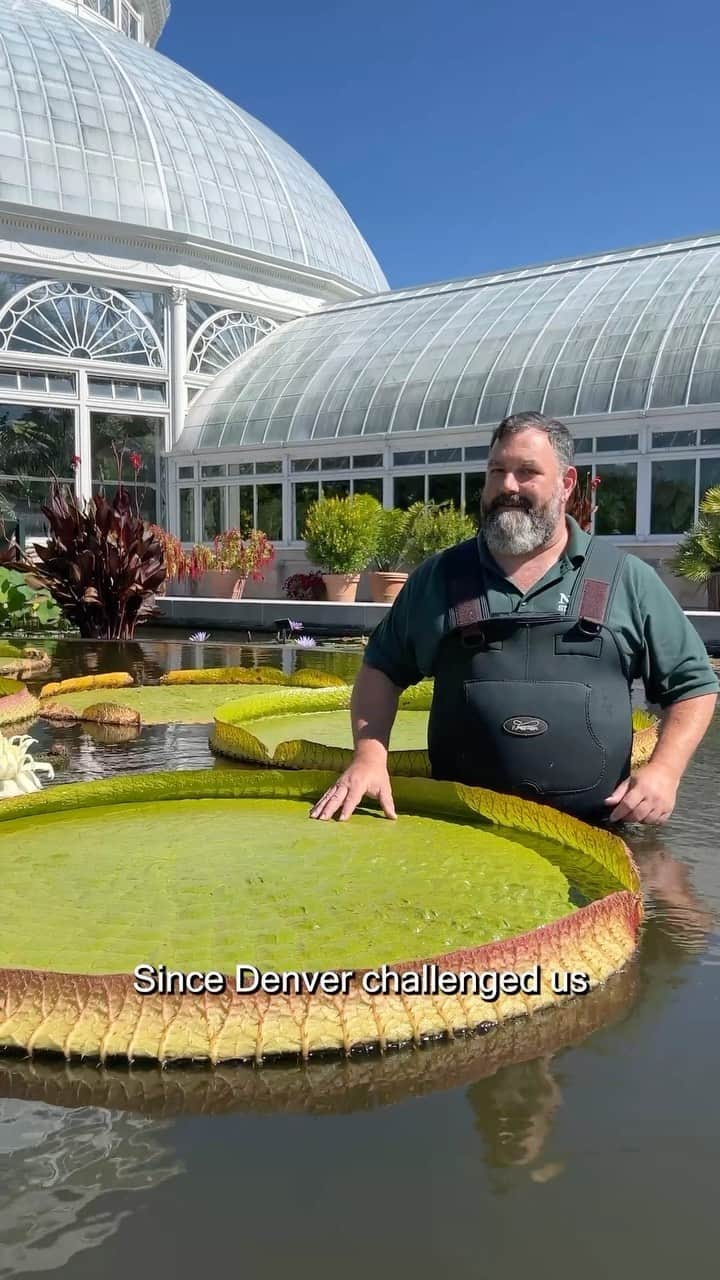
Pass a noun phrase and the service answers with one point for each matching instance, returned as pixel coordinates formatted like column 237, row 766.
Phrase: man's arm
column 649, row 795
column 679, row 678
column 373, row 708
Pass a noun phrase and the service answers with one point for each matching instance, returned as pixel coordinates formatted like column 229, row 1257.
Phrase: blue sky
column 469, row 135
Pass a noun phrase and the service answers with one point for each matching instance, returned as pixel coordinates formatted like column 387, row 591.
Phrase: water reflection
column 335, row 1086
column 60, row 1172
column 148, row 659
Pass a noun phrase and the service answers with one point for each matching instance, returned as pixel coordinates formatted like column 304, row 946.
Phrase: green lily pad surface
column 163, row 704
column 210, row 884
column 333, row 729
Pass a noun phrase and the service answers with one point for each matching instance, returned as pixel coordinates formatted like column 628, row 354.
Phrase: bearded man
column 534, row 632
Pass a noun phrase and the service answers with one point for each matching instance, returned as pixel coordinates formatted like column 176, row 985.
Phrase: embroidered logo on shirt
column 563, row 603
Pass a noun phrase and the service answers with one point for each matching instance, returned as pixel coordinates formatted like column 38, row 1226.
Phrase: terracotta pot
column 384, row 587
column 223, row 586
column 341, row 588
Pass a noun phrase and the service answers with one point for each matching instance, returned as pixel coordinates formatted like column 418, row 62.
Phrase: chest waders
column 535, row 705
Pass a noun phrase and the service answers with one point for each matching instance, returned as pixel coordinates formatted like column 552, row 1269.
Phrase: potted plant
column 388, row 574
column 340, row 535
column 698, row 555
column 583, row 502
column 432, row 527
column 234, row 559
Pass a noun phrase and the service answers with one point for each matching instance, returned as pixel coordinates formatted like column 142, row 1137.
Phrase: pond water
column 586, row 1142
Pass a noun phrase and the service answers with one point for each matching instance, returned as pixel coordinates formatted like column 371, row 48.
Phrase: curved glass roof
column 94, row 123
column 624, row 331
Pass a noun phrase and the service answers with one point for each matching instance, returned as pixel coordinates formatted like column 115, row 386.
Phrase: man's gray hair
column 558, row 434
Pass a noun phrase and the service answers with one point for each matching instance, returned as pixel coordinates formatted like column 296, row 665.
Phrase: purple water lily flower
column 305, row 642
column 199, row 636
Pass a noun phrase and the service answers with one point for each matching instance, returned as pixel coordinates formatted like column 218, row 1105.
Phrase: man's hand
column 361, row 778
column 648, row 795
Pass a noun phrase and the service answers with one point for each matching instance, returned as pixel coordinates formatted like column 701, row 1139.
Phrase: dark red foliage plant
column 102, row 563
column 304, row 586
column 583, row 502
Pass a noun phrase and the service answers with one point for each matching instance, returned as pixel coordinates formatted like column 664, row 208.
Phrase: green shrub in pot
column 340, row 537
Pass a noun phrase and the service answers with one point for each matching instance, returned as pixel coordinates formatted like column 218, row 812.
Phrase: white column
column 83, row 474
column 178, row 362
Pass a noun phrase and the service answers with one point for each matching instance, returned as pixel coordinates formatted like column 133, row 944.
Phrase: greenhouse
column 184, row 301
column 150, row 232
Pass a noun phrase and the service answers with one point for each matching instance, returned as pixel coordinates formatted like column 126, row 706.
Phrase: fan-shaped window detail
column 79, row 322
column 224, row 337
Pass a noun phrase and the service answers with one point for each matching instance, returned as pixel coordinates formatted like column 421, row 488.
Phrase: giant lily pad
column 181, row 697
column 358, row 1082
column 16, row 702
column 310, row 729
column 155, row 704
column 206, row 871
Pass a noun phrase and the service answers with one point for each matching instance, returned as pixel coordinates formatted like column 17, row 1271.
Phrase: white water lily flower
column 18, row 771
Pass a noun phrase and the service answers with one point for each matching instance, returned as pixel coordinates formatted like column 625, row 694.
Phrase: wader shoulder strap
column 466, row 596
column 594, row 588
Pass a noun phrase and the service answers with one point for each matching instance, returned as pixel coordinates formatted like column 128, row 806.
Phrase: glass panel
column 408, row 489
column 62, row 383
column 241, row 507
column 9, row 378
column 673, row 439
column 20, row 503
column 477, row 452
column 116, row 438
column 186, row 473
column 444, row 455
column 212, row 513
column 334, row 464
column 584, row 444
column 269, row 510
column 364, row 460
column 336, row 488
column 35, row 441
column 711, row 436
column 709, row 474
column 673, row 496
column 373, row 487
column 187, row 515
column 616, row 498
column 240, row 468
column 444, row 489
column 409, row 458
column 615, row 444
column 152, row 392
column 303, row 497
column 126, row 390
column 304, row 464
column 100, row 387
column 474, row 485
column 272, row 468
column 32, row 382
column 211, row 472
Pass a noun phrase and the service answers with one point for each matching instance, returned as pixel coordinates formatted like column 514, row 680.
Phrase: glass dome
column 93, row 123
column 621, row 332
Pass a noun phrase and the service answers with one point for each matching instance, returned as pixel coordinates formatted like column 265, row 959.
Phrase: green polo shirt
column 662, row 646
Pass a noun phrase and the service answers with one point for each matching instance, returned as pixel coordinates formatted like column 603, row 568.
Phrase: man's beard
column 512, row 527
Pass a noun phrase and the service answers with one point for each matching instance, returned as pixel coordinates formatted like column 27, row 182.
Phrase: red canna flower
column 75, row 461
column 136, row 461
column 596, row 482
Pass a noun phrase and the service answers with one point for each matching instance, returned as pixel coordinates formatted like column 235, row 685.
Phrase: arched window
column 224, row 337
column 79, row 322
